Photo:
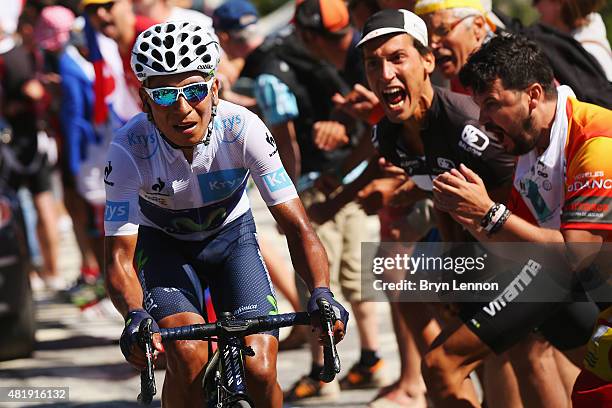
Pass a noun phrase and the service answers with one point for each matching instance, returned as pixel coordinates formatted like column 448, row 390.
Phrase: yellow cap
column 88, row 2
column 429, row 6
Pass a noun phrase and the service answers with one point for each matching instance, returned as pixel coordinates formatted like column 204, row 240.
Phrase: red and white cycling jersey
column 569, row 186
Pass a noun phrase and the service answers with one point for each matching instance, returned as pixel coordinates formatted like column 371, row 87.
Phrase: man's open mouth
column 185, row 127
column 443, row 59
column 394, row 97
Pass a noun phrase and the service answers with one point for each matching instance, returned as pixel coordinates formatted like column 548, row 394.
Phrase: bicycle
column 223, row 382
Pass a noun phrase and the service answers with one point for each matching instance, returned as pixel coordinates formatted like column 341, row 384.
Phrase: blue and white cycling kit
column 200, row 210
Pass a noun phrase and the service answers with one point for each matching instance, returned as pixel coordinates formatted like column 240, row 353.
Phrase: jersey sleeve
column 485, row 155
column 122, row 182
column 276, row 101
column 588, row 187
column 262, row 159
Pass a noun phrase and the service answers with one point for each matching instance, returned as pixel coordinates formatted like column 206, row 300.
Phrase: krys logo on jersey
column 143, row 146
column 277, row 180
column 116, row 211
column 218, row 185
column 231, row 126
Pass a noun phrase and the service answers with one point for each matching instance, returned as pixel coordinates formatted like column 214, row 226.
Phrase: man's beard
column 523, row 145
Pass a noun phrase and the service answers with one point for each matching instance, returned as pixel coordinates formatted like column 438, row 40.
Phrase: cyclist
column 177, row 210
column 560, row 195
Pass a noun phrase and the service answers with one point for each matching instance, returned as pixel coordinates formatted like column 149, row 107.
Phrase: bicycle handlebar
column 238, row 328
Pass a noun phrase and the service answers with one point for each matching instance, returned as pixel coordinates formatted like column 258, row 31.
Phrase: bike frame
column 227, row 364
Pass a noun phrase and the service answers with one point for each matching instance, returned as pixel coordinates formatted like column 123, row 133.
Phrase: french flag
column 104, row 84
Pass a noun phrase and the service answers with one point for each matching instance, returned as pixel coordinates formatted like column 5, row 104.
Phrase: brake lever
column 147, row 376
column 331, row 359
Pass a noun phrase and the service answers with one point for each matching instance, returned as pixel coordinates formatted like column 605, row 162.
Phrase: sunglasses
column 168, row 95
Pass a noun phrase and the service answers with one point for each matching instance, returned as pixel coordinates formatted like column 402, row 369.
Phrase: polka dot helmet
column 173, row 48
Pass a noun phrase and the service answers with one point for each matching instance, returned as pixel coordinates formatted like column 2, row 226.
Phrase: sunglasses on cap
column 168, row 95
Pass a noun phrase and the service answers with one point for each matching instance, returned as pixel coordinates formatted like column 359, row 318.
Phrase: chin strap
column 205, row 139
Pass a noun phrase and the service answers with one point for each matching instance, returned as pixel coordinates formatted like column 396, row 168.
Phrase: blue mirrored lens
column 196, row 92
column 164, row 96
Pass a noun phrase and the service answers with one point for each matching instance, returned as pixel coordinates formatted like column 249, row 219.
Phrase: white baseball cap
column 390, row 21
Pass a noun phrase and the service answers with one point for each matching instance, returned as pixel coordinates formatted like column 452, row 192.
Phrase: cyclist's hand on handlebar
column 342, row 316
column 130, row 348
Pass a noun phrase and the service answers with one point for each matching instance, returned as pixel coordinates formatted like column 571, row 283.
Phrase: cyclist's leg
column 262, row 381
column 184, row 369
column 239, row 283
column 173, row 295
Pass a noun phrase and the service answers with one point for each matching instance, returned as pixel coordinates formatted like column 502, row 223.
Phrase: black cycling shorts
column 174, row 273
column 565, row 324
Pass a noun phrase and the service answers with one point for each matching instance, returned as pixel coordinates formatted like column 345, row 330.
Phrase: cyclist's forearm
column 121, row 281
column 309, row 258
column 307, row 253
column 123, row 288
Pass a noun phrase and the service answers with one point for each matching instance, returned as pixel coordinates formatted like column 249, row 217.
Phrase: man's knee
column 262, row 372
column 186, row 358
column 442, row 371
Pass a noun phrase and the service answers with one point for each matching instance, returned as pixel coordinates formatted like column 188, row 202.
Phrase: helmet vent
column 170, row 28
column 138, row 67
column 144, row 46
column 184, row 36
column 157, row 29
column 183, row 50
column 196, row 40
column 200, row 50
column 169, row 41
column 157, row 66
column 157, row 55
column 170, row 58
column 142, row 59
column 185, row 62
column 206, row 58
column 156, row 41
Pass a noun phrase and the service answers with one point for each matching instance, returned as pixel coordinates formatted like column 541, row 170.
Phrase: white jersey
column 150, row 183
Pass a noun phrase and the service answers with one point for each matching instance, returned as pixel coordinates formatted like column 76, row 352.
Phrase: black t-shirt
column 451, row 135
column 312, row 82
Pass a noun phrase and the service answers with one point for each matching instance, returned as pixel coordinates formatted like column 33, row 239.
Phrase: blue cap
column 234, row 15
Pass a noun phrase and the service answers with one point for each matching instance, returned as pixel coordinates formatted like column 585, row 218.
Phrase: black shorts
column 38, row 181
column 174, row 273
column 565, row 317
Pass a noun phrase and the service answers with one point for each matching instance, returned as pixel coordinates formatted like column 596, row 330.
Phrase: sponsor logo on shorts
column 514, row 289
column 277, row 180
column 221, row 184
column 473, row 140
column 116, row 211
column 245, row 308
